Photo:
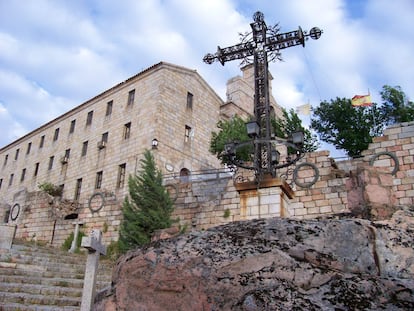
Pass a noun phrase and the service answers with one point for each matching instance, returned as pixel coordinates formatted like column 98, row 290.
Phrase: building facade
column 89, row 152
column 96, row 145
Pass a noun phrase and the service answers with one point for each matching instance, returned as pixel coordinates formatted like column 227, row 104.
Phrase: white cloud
column 9, row 128
column 58, row 54
column 25, row 106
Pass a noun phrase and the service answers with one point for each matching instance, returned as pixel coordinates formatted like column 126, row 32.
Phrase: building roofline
column 106, row 92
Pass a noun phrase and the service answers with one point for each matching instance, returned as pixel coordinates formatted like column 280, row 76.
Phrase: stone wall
column 322, row 186
column 370, row 184
column 326, row 196
column 399, row 141
column 41, row 217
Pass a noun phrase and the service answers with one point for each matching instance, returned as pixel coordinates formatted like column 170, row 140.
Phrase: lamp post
column 261, row 43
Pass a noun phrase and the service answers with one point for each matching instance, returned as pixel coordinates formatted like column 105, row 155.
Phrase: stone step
column 22, row 307
column 53, row 261
column 41, row 255
column 42, row 258
column 59, row 282
column 40, row 289
column 44, row 279
column 39, row 273
column 64, row 282
column 75, row 271
column 7, row 298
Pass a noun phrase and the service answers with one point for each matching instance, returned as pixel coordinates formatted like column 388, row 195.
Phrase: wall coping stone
column 267, row 182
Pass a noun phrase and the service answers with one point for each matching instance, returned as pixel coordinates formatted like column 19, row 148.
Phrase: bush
column 55, row 191
column 112, row 251
column 68, row 242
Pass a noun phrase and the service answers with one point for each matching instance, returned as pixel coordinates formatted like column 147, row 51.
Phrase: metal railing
column 196, row 176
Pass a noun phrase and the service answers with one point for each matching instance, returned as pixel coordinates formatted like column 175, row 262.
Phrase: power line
column 312, row 75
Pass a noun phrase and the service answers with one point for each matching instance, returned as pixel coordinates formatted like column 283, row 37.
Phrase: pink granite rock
column 273, row 264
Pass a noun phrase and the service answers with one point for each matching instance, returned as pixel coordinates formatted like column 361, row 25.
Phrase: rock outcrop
column 273, row 264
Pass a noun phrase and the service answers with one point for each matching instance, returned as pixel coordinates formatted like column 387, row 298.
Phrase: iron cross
column 263, row 41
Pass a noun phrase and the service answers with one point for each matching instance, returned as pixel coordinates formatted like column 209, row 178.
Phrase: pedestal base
column 269, row 198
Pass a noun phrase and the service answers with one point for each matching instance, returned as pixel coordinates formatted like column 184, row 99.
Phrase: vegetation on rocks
column 51, row 189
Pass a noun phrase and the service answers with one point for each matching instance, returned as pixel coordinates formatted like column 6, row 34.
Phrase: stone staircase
column 42, row 278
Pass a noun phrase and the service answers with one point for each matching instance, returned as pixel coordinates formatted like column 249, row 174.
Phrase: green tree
column 289, row 123
column 346, row 127
column 396, row 107
column 234, row 130
column 148, row 207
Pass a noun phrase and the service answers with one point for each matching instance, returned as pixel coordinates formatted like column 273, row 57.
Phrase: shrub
column 53, row 190
column 68, row 242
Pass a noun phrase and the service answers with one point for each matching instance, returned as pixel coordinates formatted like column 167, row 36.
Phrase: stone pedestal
column 268, row 199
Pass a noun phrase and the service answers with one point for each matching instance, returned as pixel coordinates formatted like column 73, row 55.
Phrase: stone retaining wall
column 213, row 199
column 331, row 192
column 42, row 217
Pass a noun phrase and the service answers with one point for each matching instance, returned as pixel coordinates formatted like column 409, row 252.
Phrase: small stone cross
column 75, row 236
column 95, row 248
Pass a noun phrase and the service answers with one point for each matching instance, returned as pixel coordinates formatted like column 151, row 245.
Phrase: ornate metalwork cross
column 262, row 43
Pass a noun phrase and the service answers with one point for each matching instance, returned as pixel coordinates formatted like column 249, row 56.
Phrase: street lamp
column 154, row 143
column 297, row 138
column 253, row 129
column 275, row 156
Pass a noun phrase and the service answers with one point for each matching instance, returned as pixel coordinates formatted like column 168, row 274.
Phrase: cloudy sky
column 55, row 54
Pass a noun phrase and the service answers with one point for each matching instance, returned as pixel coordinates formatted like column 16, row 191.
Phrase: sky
column 56, row 54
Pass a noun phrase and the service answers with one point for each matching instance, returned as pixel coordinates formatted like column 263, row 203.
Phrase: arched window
column 184, row 175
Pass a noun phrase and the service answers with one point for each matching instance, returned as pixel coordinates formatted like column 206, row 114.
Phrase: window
column 72, row 126
column 36, row 170
column 23, row 175
column 56, row 136
column 78, row 189
column 184, row 175
column 42, row 141
column 189, row 100
column 103, row 141
column 6, row 158
column 131, row 97
column 61, row 187
column 187, row 133
column 121, row 176
column 29, row 147
column 105, row 137
column 16, row 156
column 109, row 108
column 84, row 148
column 98, row 180
column 65, row 158
column 51, row 159
column 11, row 179
column 89, row 118
column 127, row 130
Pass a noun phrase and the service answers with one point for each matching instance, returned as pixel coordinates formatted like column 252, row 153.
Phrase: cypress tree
column 148, row 207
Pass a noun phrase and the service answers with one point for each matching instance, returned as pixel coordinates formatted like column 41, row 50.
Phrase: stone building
column 240, row 95
column 95, row 146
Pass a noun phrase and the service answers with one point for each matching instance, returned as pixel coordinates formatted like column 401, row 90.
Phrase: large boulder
column 272, row 264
